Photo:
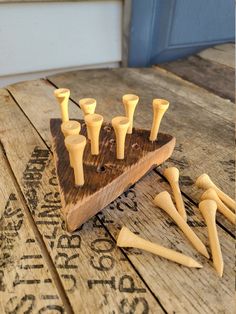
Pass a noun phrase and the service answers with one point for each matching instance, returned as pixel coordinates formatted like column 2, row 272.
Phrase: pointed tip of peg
column 219, row 269
column 205, row 253
column 194, row 264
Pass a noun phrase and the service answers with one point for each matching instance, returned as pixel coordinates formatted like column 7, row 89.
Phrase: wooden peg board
column 105, row 176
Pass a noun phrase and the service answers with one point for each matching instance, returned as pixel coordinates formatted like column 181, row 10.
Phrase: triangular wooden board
column 105, row 177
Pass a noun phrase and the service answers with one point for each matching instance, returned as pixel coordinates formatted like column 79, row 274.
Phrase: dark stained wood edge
column 105, row 176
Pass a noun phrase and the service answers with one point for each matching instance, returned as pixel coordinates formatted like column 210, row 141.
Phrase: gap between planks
column 38, row 236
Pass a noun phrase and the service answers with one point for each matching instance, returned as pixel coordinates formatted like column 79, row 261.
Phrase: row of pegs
column 122, row 125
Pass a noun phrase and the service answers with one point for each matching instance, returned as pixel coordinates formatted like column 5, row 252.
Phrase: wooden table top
column 44, row 269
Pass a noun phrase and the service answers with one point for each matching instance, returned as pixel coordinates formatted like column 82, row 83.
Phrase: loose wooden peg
column 159, row 108
column 130, row 102
column 75, row 144
column 94, row 123
column 205, row 183
column 88, row 105
column 208, row 210
column 120, row 125
column 62, row 95
column 211, row 194
column 164, row 201
column 126, row 238
column 172, row 175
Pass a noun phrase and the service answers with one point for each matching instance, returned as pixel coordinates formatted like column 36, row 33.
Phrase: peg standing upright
column 159, row 108
column 70, row 127
column 94, row 124
column 88, row 105
column 120, row 125
column 164, row 201
column 208, row 209
column 62, row 95
column 172, row 175
column 75, row 144
column 130, row 102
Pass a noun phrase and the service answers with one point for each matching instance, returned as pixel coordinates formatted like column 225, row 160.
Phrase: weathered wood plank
column 194, row 291
column 222, row 54
column 25, row 282
column 215, row 77
column 90, row 266
column 190, row 291
column 205, row 139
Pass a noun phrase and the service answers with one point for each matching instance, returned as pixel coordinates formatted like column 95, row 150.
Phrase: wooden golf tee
column 211, row 194
column 120, row 125
column 205, row 183
column 75, row 144
column 94, row 124
column 126, row 238
column 62, row 95
column 172, row 175
column 164, row 201
column 130, row 102
column 208, row 210
column 70, row 128
column 159, row 108
column 88, row 106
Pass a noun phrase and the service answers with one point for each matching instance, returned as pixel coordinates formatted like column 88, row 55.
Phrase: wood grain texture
column 90, row 266
column 215, row 77
column 222, row 54
column 198, row 119
column 194, row 291
column 105, row 176
column 25, row 281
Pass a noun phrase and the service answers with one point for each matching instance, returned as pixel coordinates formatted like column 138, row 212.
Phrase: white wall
column 41, row 38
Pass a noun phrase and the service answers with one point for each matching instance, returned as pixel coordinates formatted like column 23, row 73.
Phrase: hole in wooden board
column 101, row 169
column 135, row 146
column 107, row 128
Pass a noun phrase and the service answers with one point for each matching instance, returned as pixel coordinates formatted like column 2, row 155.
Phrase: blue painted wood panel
column 165, row 30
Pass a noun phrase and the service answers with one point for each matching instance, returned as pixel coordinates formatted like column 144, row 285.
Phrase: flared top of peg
column 93, row 119
column 160, row 103
column 74, row 142
column 70, row 127
column 162, row 199
column 62, row 92
column 171, row 173
column 88, row 105
column 208, row 208
column 210, row 194
column 120, row 122
column 204, row 181
column 130, row 99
